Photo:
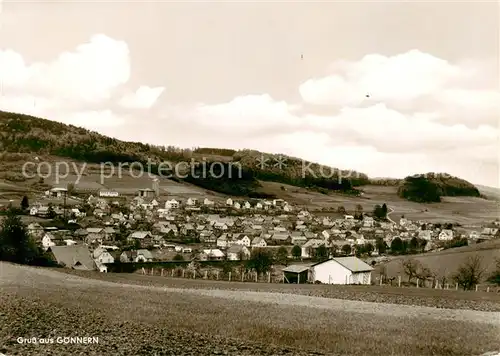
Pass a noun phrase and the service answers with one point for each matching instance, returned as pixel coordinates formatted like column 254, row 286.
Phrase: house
column 191, row 201
column 222, row 241
column 237, row 205
column 144, row 256
column 101, row 256
column 368, row 221
column 474, row 235
column 56, row 192
column 108, row 194
column 258, row 242
column 213, row 254
column 446, row 235
column 299, row 240
column 146, row 193
column 310, row 246
column 74, row 257
column 208, row 202
column 348, row 217
column 425, row 234
column 296, row 273
column 238, row 253
column 244, row 241
column 281, row 238
column 140, row 235
column 48, row 240
column 341, row 270
column 41, row 211
column 172, row 204
column 229, row 202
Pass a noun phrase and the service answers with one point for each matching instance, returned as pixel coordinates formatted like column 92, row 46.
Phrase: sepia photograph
column 249, row 178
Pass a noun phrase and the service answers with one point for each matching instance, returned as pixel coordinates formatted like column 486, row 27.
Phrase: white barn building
column 341, row 270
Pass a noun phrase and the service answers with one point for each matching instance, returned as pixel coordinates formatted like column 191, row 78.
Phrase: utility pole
column 64, row 206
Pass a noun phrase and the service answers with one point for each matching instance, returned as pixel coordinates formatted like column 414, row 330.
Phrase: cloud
column 423, row 114
column 412, row 81
column 144, row 98
column 89, row 73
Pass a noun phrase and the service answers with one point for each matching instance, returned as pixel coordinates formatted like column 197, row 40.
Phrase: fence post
column 173, row 271
column 446, row 285
column 217, row 275
column 183, row 271
column 399, row 281
column 256, row 277
column 381, row 278
column 143, row 270
column 283, row 277
column 152, row 271
column 268, row 277
column 476, row 287
column 418, row 280
column 194, row 274
column 456, row 286
column 487, row 289
column 229, row 276
column 242, row 276
column 206, row 274
column 162, row 272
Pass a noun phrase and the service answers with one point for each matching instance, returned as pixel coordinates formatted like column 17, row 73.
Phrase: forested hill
column 430, row 187
column 31, row 135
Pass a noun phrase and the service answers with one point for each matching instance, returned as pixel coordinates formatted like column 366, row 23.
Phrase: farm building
column 74, row 257
column 296, row 274
column 341, row 270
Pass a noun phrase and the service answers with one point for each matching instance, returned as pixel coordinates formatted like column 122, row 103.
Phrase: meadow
column 148, row 320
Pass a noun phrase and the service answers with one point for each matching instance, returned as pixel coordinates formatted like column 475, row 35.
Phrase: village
column 150, row 227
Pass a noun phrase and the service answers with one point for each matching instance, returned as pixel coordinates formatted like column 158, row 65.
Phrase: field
column 463, row 210
column 445, row 263
column 152, row 320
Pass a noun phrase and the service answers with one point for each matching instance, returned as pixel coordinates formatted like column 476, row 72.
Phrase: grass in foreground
column 132, row 321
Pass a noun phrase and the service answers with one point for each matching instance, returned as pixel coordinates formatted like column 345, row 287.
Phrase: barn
column 341, row 270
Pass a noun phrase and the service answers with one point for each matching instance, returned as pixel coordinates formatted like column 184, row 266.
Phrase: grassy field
column 146, row 320
column 445, row 263
column 463, row 210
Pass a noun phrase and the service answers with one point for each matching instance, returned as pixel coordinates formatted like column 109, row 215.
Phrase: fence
column 432, row 284
column 215, row 275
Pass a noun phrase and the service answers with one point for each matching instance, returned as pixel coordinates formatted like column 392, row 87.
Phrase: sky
column 389, row 89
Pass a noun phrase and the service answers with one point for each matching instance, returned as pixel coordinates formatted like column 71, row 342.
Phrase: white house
column 192, row 201
column 446, row 235
column 48, row 240
column 259, row 242
column 341, row 270
column 208, row 202
column 229, row 202
column 238, row 252
column 172, row 204
column 108, row 194
column 348, row 217
column 100, row 255
column 368, row 221
column 311, row 245
column 237, row 205
column 214, row 254
column 244, row 241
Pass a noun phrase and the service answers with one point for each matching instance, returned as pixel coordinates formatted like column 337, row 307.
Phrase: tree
column 282, row 256
column 380, row 245
column 321, row 252
column 369, row 249
column 178, row 257
column 341, row 210
column 25, row 203
column 411, row 267
column 296, row 251
column 346, row 249
column 51, row 214
column 358, row 212
column 384, row 210
column 495, row 276
column 15, row 243
column 414, row 244
column 397, row 245
column 469, row 273
column 260, row 261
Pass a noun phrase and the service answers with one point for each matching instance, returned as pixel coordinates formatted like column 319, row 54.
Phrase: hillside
column 238, row 173
column 445, row 263
column 430, row 187
column 27, row 135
